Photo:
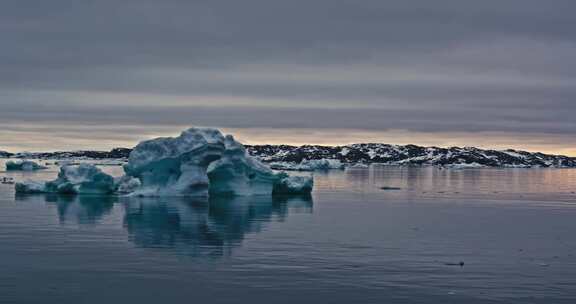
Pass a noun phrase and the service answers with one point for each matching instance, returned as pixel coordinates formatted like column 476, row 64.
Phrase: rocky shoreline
column 372, row 153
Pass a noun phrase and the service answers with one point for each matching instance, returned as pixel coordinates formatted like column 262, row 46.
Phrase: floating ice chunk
column 127, row 184
column 321, row 164
column 67, row 162
column 309, row 165
column 294, row 185
column 176, row 166
column 82, row 179
column 237, row 173
column 110, row 163
column 23, row 165
column 359, row 166
column 285, row 166
column 30, row 187
column 199, row 162
column 465, row 166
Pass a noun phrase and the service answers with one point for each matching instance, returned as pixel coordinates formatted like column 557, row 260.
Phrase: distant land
column 402, row 155
column 117, row 153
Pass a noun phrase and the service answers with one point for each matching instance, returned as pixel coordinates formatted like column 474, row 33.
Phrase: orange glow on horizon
column 64, row 138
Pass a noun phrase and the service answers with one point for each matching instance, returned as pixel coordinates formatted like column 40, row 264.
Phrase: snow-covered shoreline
column 411, row 155
column 285, row 157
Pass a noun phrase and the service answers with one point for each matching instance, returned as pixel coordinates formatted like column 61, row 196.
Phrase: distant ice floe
column 81, row 179
column 294, row 185
column 67, row 162
column 359, row 166
column 112, row 162
column 464, row 166
column 309, row 165
column 23, row 165
column 31, row 187
column 199, row 162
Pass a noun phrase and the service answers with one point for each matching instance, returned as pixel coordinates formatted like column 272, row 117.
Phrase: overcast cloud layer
column 97, row 74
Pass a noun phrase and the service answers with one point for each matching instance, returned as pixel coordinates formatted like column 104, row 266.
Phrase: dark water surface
column 351, row 242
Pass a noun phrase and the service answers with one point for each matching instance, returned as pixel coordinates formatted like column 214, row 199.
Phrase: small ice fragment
column 23, row 165
column 82, row 179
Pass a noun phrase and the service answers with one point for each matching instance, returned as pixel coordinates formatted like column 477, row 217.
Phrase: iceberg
column 81, row 179
column 23, row 165
column 200, row 162
column 294, row 185
column 236, row 173
column 175, row 166
column 30, row 187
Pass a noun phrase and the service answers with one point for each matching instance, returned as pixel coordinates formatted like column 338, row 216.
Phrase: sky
column 98, row 74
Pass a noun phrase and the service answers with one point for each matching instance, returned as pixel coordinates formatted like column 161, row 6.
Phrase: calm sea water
column 351, row 242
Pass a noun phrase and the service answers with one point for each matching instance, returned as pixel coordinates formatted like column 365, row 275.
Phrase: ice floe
column 294, row 185
column 81, row 179
column 23, row 165
column 309, row 165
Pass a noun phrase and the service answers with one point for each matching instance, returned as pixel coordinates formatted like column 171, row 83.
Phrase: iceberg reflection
column 211, row 227
column 188, row 226
column 81, row 209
